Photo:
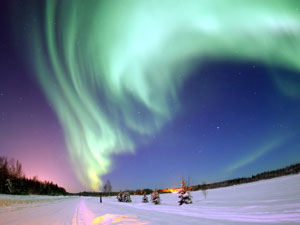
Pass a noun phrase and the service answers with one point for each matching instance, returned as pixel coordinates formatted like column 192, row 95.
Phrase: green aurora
column 97, row 60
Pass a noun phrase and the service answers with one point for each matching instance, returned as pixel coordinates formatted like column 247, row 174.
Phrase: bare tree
column 204, row 189
column 19, row 172
column 12, row 167
column 107, row 187
column 189, row 181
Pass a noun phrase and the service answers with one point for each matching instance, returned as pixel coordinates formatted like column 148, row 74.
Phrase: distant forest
column 293, row 169
column 13, row 181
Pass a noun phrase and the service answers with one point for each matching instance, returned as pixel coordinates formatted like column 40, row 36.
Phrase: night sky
column 143, row 95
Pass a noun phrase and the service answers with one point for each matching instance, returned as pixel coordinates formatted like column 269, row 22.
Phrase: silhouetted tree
column 147, row 191
column 13, row 181
column 107, row 188
column 4, row 175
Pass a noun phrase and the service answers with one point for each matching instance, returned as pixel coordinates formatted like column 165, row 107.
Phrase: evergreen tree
column 120, row 196
column 124, row 196
column 155, row 197
column 145, row 198
column 13, row 181
column 184, row 194
column 4, row 175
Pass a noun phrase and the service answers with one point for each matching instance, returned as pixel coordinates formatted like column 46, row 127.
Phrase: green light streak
column 267, row 147
column 98, row 60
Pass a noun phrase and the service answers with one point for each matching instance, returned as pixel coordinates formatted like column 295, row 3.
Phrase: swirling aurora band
column 98, row 60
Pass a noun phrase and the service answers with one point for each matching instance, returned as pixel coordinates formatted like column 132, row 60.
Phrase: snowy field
column 275, row 201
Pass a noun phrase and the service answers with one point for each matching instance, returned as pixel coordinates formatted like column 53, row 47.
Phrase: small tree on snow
column 120, row 196
column 155, row 197
column 124, row 196
column 184, row 194
column 145, row 198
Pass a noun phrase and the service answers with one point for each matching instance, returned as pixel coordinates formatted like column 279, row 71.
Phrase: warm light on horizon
column 170, row 190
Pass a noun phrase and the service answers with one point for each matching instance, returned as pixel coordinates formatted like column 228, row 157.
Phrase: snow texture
column 275, row 201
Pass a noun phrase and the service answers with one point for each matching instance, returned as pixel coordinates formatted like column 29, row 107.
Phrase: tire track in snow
column 82, row 215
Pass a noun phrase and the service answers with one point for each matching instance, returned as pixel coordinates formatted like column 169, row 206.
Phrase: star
column 20, row 99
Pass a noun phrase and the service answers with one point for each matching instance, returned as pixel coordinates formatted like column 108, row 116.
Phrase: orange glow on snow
column 107, row 219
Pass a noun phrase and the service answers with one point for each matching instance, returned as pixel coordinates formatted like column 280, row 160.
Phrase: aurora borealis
column 117, row 75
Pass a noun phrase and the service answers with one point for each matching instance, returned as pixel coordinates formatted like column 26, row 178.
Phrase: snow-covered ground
column 275, row 201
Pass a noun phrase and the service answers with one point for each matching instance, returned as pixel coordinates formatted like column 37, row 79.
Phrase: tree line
column 292, row 169
column 115, row 193
column 107, row 191
column 13, row 181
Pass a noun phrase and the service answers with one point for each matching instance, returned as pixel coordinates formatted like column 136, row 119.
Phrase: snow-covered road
column 275, row 201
